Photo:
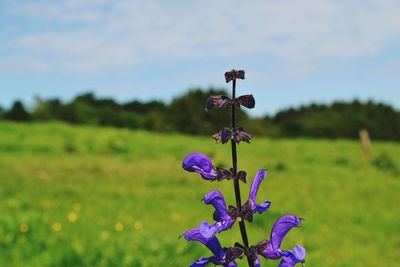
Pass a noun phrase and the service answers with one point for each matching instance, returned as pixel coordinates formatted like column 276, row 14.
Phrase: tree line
column 185, row 114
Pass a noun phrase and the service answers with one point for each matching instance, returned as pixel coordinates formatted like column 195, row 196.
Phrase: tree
column 1, row 113
column 45, row 110
column 340, row 120
column 17, row 112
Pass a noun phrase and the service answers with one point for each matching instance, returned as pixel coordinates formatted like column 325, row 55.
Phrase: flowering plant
column 225, row 217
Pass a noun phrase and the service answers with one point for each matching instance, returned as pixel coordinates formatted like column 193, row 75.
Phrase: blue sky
column 294, row 51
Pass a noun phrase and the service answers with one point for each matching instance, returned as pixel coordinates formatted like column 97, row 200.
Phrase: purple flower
column 220, row 255
column 200, row 163
column 260, row 208
column 221, row 216
column 271, row 249
column 293, row 256
column 224, row 219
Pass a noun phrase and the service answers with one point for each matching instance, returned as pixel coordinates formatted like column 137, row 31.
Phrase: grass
column 88, row 196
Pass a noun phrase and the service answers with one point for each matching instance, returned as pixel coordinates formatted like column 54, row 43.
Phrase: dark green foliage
column 339, row 120
column 385, row 163
column 45, row 110
column 145, row 108
column 1, row 113
column 186, row 114
column 17, row 112
column 156, row 121
column 86, row 109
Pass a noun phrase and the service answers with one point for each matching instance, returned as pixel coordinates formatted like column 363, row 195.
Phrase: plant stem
column 242, row 225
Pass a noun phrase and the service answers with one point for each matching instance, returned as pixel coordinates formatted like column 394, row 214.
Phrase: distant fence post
column 365, row 143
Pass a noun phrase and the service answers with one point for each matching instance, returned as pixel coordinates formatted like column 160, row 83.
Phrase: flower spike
column 224, row 217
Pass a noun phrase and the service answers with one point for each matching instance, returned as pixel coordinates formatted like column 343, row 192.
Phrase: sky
column 294, row 52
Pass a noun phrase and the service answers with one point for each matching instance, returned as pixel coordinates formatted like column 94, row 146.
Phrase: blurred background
column 100, row 101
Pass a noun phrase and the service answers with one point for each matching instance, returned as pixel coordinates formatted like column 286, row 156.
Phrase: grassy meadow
column 89, row 196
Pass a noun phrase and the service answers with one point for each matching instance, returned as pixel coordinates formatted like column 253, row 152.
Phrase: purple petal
column 269, row 252
column 200, row 163
column 212, row 243
column 232, row 264
column 257, row 262
column 216, row 261
column 253, row 192
column 207, row 231
column 263, row 206
column 281, row 227
column 200, row 262
column 216, row 199
column 292, row 257
column 194, row 235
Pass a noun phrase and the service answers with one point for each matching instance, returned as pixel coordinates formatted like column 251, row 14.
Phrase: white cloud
column 92, row 35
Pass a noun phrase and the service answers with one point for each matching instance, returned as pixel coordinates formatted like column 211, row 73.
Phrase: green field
column 87, row 196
